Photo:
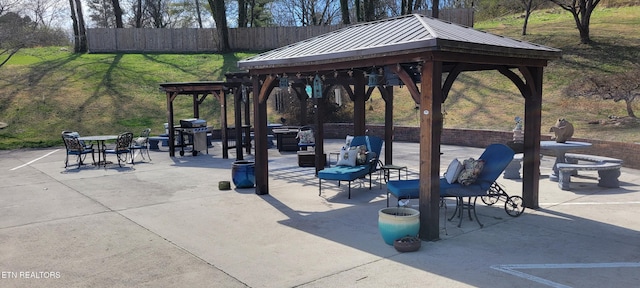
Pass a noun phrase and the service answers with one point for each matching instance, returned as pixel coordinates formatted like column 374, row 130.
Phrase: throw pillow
column 361, row 158
column 140, row 141
column 348, row 141
column 453, row 171
column 347, row 157
column 306, row 137
column 472, row 169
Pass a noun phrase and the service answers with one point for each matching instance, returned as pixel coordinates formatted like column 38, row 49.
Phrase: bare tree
column 219, row 12
column 101, row 13
column 198, row 14
column 117, row 12
column 581, row 11
column 528, row 6
column 617, row 87
column 308, row 12
column 137, row 14
column 344, row 10
column 79, row 29
column 13, row 34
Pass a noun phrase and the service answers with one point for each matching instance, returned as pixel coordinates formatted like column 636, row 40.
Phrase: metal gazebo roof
column 396, row 36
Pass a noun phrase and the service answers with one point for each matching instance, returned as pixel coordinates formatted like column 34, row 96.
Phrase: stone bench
column 574, row 158
column 608, row 173
column 513, row 169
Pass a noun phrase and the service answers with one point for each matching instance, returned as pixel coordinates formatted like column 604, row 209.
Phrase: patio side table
column 386, row 170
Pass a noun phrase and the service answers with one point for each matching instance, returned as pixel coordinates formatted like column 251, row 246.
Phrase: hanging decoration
column 284, row 82
column 244, row 93
column 317, row 87
column 373, row 79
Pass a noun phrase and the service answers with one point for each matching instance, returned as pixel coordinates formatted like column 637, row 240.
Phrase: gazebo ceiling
column 402, row 38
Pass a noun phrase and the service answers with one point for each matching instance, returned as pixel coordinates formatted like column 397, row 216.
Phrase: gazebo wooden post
column 388, row 123
column 359, row 91
column 532, row 126
column 237, row 108
column 170, row 97
column 430, row 130
column 247, row 122
column 260, row 95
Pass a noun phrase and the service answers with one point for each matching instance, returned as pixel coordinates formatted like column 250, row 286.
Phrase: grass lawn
column 46, row 90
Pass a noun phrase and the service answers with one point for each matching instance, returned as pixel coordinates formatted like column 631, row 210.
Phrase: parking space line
column 34, row 160
column 510, row 269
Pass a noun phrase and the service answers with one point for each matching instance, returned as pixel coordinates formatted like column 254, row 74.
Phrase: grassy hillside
column 46, row 90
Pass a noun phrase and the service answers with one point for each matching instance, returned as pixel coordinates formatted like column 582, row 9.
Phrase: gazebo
column 424, row 54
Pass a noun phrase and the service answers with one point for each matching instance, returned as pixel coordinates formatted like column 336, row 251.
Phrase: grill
column 193, row 123
column 192, row 132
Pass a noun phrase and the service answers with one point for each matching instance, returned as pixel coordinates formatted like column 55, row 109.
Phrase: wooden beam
column 524, row 90
column 408, row 81
column 359, row 125
column 451, row 77
column 260, row 134
column 532, row 126
column 387, row 96
column 430, row 130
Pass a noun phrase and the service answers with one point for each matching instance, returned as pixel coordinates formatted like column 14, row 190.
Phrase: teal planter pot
column 397, row 222
column 243, row 174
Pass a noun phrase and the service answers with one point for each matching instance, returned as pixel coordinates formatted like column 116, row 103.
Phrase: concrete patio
column 165, row 223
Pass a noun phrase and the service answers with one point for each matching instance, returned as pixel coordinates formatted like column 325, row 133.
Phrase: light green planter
column 397, row 222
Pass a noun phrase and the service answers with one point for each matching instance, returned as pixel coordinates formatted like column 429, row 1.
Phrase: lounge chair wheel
column 490, row 199
column 514, row 206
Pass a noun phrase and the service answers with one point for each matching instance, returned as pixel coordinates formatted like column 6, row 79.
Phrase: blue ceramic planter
column 397, row 222
column 243, row 174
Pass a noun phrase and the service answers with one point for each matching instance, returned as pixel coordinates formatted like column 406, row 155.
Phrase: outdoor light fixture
column 391, row 78
column 373, row 79
column 244, row 93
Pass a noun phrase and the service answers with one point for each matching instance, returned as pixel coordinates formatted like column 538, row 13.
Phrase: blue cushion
column 343, row 173
column 404, row 189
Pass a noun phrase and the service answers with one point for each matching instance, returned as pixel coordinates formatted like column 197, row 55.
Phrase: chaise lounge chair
column 496, row 157
column 348, row 172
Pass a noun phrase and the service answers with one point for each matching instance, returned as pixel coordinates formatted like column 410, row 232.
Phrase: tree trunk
column 76, row 33
column 218, row 9
column 82, row 33
column 357, row 4
column 344, row 8
column 138, row 14
column 526, row 21
column 199, row 15
column 117, row 11
column 435, row 9
column 629, row 108
column 242, row 13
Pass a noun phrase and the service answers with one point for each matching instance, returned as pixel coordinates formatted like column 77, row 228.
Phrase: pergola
column 198, row 91
column 424, row 54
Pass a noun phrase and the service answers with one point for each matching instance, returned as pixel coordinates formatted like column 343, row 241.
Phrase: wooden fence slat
column 194, row 40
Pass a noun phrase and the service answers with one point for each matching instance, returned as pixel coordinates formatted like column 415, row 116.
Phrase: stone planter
column 243, row 174
column 397, row 222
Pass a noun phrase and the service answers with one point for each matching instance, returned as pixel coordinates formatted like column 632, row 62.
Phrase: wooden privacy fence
column 205, row 40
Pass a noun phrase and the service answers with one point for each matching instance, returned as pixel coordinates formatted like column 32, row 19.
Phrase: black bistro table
column 99, row 139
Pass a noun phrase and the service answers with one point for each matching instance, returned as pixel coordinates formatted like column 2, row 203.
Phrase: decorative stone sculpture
column 563, row 130
column 518, row 134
